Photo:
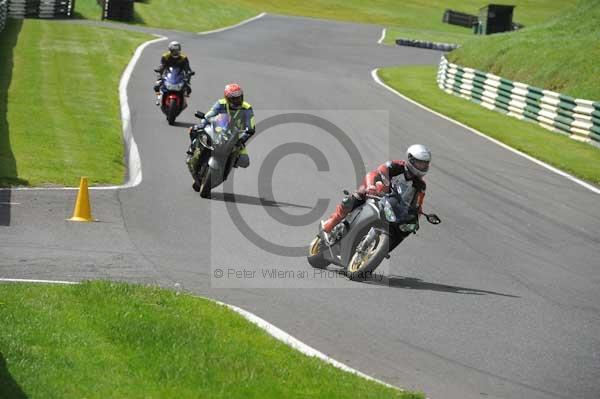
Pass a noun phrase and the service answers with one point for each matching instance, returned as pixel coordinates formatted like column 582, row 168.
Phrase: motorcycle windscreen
column 221, row 122
column 174, row 76
column 396, row 210
column 222, row 132
column 174, row 80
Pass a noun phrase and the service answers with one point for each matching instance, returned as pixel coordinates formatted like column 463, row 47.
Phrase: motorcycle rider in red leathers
column 378, row 181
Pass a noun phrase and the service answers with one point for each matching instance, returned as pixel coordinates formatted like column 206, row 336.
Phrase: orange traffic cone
column 82, row 211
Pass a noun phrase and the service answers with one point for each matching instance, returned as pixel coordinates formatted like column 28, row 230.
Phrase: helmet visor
column 236, row 101
column 422, row 166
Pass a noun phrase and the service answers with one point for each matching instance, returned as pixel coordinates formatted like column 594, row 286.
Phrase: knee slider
column 243, row 161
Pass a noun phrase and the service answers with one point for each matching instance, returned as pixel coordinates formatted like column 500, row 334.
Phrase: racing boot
column 335, row 218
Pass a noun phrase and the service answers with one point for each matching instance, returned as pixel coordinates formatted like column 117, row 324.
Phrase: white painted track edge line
column 477, row 132
column 300, row 346
column 244, row 22
column 132, row 155
column 134, row 163
column 383, row 32
column 272, row 330
column 25, row 280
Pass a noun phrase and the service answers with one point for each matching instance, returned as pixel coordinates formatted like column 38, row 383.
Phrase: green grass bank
column 59, row 102
column 113, row 340
column 419, row 83
column 418, row 18
column 562, row 54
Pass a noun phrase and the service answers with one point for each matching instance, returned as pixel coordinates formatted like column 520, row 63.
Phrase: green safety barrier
column 578, row 118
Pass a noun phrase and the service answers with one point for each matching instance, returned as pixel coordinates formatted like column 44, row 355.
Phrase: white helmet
column 418, row 158
column 174, row 48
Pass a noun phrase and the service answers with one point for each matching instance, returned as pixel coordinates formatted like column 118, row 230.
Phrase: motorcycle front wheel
column 362, row 264
column 205, row 182
column 172, row 112
column 315, row 254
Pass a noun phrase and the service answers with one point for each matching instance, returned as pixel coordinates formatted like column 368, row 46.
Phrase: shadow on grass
column 78, row 15
column 137, row 18
column 9, row 389
column 8, row 164
column 95, row 6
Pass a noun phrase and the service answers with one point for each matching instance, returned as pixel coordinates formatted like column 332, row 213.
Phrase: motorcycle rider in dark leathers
column 173, row 58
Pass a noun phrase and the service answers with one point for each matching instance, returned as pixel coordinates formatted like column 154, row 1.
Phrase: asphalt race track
column 502, row 300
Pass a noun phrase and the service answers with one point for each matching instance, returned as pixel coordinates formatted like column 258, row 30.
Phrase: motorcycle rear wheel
column 315, row 254
column 361, row 266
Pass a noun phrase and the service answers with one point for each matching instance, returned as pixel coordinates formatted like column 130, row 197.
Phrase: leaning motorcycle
column 219, row 145
column 361, row 241
column 173, row 100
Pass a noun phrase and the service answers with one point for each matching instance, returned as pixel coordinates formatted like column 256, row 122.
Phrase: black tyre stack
column 427, row 45
column 23, row 8
column 56, row 8
column 3, row 14
column 118, row 10
column 40, row 8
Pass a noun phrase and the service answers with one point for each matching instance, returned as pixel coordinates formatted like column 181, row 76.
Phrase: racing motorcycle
column 361, row 241
column 220, row 145
column 173, row 100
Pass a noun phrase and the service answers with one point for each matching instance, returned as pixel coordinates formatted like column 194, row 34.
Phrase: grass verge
column 418, row 83
column 183, row 15
column 562, row 55
column 109, row 340
column 59, row 103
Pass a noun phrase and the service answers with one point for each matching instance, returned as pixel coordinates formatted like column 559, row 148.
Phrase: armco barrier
column 3, row 14
column 579, row 119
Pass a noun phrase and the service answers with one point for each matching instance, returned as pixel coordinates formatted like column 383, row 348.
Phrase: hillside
column 562, row 54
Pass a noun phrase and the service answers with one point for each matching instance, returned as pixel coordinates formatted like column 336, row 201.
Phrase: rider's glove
column 246, row 136
column 372, row 190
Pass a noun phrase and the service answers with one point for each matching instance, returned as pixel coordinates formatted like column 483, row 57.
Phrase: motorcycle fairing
column 358, row 220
